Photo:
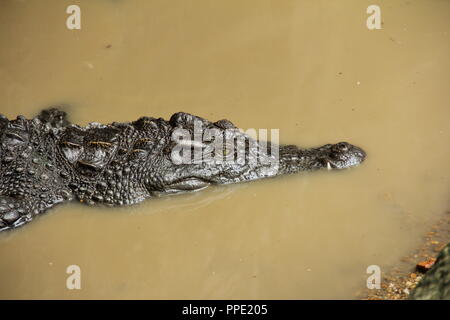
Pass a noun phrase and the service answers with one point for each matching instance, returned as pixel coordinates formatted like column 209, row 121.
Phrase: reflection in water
column 193, row 200
column 311, row 69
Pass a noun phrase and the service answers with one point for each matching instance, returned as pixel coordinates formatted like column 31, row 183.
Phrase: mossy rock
column 435, row 285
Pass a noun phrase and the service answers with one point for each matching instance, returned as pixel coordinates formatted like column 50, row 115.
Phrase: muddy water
column 311, row 69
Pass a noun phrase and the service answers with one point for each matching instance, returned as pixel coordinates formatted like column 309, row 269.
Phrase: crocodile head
column 199, row 152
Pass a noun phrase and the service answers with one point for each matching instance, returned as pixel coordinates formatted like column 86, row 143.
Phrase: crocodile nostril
column 342, row 146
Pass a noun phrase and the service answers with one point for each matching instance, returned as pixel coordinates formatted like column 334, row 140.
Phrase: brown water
column 311, row 69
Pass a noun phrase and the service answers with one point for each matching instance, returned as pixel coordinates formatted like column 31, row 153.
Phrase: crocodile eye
column 181, row 118
column 225, row 124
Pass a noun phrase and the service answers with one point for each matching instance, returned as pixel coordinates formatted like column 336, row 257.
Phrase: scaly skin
column 47, row 160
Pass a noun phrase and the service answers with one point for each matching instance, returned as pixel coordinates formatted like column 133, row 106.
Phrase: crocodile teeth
column 328, row 166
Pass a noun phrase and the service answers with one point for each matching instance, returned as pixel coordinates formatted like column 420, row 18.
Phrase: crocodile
column 47, row 160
